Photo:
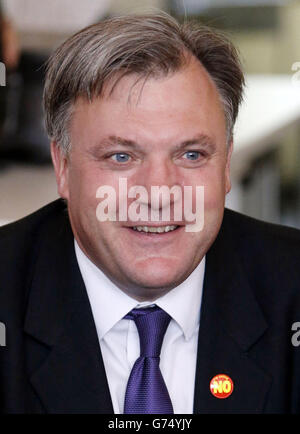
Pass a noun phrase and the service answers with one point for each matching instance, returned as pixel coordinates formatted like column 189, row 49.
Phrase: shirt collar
column 110, row 304
column 183, row 302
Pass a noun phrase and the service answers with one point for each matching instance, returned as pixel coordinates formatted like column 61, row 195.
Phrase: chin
column 159, row 273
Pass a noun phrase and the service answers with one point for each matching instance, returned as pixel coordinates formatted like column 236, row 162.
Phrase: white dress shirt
column 119, row 339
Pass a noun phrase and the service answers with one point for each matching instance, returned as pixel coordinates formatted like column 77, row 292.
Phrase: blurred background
column 266, row 160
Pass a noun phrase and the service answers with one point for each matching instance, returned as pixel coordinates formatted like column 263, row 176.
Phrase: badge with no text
column 221, row 386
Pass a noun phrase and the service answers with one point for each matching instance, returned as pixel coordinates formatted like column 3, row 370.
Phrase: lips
column 155, row 234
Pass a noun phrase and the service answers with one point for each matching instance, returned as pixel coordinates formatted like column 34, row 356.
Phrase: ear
column 227, row 168
column 61, row 167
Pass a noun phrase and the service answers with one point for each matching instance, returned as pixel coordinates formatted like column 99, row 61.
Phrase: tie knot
column 152, row 324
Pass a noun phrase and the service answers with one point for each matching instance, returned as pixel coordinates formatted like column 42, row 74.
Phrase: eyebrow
column 200, row 139
column 110, row 141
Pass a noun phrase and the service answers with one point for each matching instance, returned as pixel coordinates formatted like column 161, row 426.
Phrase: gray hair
column 148, row 45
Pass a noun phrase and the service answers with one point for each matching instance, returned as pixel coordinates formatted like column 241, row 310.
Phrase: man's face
column 166, row 131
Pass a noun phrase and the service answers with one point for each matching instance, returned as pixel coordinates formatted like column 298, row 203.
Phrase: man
column 110, row 303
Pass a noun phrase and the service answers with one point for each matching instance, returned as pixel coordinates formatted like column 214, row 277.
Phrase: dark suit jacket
column 52, row 360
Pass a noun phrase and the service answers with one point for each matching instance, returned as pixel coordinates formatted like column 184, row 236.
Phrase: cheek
column 84, row 181
column 213, row 181
column 82, row 193
column 214, row 196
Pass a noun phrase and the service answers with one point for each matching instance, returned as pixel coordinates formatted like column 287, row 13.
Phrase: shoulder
column 253, row 232
column 18, row 240
column 269, row 254
column 19, row 249
column 28, row 225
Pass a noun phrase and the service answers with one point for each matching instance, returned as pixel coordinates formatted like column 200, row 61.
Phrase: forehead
column 156, row 106
column 191, row 79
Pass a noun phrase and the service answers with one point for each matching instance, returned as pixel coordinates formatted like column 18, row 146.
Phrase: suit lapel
column 64, row 361
column 231, row 323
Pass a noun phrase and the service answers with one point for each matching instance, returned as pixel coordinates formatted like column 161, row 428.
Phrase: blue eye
column 121, row 157
column 192, row 155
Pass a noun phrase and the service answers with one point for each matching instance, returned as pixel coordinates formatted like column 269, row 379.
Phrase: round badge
column 221, row 386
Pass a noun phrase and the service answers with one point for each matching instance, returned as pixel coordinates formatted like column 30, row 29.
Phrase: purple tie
column 146, row 390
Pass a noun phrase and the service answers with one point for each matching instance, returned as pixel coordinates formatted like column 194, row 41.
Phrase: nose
column 157, row 172
column 161, row 179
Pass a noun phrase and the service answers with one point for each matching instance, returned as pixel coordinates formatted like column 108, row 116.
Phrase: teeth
column 153, row 229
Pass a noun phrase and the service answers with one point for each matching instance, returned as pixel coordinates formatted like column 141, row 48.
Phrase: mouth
column 155, row 233
column 155, row 229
